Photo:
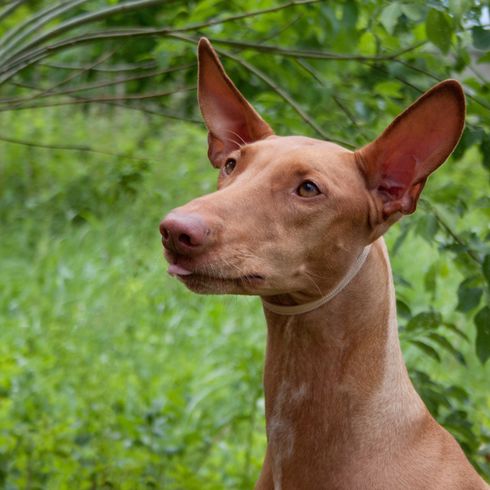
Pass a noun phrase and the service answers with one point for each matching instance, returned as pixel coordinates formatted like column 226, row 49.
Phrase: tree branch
column 84, row 19
column 439, row 79
column 103, row 98
column 10, row 9
column 445, row 225
column 23, row 30
column 19, row 61
column 154, row 112
column 51, row 91
column 150, row 65
column 132, row 106
column 306, row 53
column 255, row 13
column 64, row 147
column 91, row 86
column 284, row 95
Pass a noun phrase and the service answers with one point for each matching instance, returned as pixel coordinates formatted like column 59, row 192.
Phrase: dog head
column 292, row 213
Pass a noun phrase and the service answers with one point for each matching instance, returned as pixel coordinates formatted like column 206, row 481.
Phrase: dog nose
column 184, row 233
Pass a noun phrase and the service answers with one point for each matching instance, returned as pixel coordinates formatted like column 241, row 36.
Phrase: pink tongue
column 176, row 270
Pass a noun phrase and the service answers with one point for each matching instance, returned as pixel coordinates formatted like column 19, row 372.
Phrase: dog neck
column 336, row 386
column 313, row 305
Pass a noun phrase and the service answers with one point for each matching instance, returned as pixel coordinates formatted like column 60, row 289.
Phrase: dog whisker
column 238, row 136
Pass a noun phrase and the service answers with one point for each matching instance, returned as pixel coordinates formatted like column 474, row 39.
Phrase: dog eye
column 308, row 189
column 229, row 166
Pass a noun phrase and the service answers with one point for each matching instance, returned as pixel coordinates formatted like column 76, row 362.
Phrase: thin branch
column 10, row 9
column 49, row 92
column 19, row 62
column 95, row 16
column 22, row 62
column 103, row 98
column 483, row 79
column 254, row 13
column 310, row 70
column 400, row 79
column 306, row 53
column 23, row 30
column 32, row 20
column 445, row 225
column 84, row 148
column 317, row 77
column 101, row 59
column 86, row 19
column 277, row 32
column 132, row 106
column 150, row 65
column 284, row 95
column 91, row 86
column 439, row 79
column 154, row 112
column 348, row 113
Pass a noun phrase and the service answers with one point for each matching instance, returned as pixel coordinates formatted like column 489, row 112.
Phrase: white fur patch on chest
column 280, row 429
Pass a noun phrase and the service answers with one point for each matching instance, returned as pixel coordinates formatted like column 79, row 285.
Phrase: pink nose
column 184, row 233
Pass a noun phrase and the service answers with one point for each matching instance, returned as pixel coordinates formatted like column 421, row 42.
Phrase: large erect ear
column 398, row 162
column 230, row 119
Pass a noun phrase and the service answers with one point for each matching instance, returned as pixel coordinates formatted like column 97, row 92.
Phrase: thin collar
column 313, row 305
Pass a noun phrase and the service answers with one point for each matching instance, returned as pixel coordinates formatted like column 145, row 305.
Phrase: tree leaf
column 469, row 296
column 457, row 392
column 481, row 38
column 390, row 15
column 412, row 11
column 367, row 43
column 485, row 149
column 445, row 344
column 438, row 29
column 424, row 320
column 350, row 14
column 456, row 330
column 470, row 137
column 430, row 278
column 427, row 349
column 403, row 309
column 388, row 88
column 486, row 268
column 482, row 343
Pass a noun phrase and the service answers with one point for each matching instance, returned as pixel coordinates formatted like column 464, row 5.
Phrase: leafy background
column 112, row 375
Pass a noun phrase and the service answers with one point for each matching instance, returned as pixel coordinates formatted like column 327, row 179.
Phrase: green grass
column 112, row 374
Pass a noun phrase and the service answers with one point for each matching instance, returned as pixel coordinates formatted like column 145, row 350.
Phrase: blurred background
column 112, row 375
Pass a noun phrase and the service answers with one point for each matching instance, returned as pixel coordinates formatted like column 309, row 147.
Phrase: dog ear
column 230, row 119
column 397, row 164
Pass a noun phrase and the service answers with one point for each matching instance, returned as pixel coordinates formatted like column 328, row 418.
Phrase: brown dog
column 299, row 222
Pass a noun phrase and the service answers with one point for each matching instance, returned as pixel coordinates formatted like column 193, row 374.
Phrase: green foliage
column 482, row 322
column 98, row 386
column 113, row 376
column 438, row 29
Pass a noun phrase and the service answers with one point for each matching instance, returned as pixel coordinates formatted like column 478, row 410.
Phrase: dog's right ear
column 230, row 119
column 397, row 164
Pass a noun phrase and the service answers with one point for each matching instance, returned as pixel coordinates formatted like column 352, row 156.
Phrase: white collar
column 313, row 305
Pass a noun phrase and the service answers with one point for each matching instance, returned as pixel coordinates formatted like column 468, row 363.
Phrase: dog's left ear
column 230, row 119
column 397, row 164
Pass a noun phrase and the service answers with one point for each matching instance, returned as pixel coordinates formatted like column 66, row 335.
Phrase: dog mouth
column 188, row 275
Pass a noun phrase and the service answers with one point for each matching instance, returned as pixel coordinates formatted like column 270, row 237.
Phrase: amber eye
column 229, row 166
column 308, row 189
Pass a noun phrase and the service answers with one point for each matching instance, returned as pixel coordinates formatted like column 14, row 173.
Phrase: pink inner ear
column 231, row 130
column 227, row 116
column 397, row 164
column 230, row 119
column 396, row 179
column 416, row 145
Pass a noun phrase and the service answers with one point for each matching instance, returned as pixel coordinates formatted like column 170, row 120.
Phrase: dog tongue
column 177, row 270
